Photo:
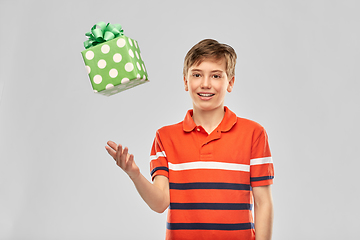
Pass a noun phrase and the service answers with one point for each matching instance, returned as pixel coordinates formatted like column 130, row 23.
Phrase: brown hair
column 210, row 48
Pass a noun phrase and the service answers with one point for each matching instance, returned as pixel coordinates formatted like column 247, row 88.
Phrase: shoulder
column 249, row 127
column 170, row 128
column 169, row 133
column 248, row 123
column 240, row 122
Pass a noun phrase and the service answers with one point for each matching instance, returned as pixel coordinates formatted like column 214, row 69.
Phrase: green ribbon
column 102, row 32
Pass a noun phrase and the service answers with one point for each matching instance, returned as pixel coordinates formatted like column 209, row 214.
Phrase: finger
column 111, row 151
column 130, row 161
column 124, row 157
column 118, row 155
column 112, row 145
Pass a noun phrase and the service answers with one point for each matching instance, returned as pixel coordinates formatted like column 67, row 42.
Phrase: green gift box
column 113, row 60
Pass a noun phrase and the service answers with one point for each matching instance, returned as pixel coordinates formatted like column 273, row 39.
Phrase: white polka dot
column 137, row 55
column 105, row 48
column 131, row 53
column 97, row 79
column 130, row 42
column 140, row 55
column 113, row 73
column 135, row 43
column 144, row 77
column 101, row 63
column 124, row 80
column 109, row 86
column 121, row 42
column 138, row 65
column 89, row 55
column 138, row 76
column 88, row 69
column 143, row 67
column 129, row 67
column 95, row 91
column 117, row 57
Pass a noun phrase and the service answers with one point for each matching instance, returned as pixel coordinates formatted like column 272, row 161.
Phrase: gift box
column 113, row 60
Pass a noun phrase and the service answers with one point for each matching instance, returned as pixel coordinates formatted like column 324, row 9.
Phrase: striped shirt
column 211, row 176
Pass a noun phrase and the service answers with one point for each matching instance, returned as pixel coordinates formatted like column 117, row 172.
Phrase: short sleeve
column 261, row 163
column 158, row 160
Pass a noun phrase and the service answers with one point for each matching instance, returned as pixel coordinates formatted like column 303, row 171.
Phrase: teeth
column 206, row 94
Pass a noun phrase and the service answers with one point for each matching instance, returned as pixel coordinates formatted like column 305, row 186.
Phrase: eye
column 196, row 75
column 216, row 76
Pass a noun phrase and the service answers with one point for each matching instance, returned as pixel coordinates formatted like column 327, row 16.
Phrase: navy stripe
column 211, row 206
column 209, row 226
column 209, row 185
column 261, row 178
column 159, row 168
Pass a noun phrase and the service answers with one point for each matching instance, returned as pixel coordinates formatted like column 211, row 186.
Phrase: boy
column 211, row 168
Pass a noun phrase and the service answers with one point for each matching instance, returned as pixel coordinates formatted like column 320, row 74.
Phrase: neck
column 209, row 120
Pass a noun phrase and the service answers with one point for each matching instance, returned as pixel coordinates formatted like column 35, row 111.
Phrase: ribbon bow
column 102, row 32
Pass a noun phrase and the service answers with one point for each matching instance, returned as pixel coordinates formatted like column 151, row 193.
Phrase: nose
column 205, row 83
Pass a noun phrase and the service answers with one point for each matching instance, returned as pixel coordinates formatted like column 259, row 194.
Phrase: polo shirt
column 211, row 176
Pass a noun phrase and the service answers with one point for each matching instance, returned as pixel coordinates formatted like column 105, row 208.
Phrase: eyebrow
column 199, row 70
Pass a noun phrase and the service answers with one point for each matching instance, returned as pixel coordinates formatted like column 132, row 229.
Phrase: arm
column 156, row 195
column 264, row 213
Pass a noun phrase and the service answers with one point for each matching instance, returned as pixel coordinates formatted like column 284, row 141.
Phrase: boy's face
column 207, row 84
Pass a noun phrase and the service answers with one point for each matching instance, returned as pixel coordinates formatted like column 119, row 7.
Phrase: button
column 198, row 129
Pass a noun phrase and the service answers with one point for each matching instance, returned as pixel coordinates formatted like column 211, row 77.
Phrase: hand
column 123, row 159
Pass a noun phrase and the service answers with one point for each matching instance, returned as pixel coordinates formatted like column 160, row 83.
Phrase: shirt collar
column 226, row 124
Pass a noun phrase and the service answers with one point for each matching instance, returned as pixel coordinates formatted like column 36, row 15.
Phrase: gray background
column 297, row 75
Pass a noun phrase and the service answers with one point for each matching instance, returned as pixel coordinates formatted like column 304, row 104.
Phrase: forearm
column 264, row 215
column 155, row 197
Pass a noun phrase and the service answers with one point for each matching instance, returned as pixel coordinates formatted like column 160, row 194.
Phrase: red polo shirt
column 211, row 176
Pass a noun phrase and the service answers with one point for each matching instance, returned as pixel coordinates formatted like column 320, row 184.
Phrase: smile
column 206, row 94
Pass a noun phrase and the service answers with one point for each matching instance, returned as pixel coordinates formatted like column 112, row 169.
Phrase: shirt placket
column 206, row 143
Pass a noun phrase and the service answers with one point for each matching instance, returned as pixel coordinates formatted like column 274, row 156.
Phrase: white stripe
column 158, row 154
column 258, row 161
column 209, row 165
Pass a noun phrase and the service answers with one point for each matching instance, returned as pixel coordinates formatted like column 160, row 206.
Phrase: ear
column 186, row 84
column 231, row 84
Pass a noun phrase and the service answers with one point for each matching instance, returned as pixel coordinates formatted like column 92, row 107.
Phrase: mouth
column 206, row 94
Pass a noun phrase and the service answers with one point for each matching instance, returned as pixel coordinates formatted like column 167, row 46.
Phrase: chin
column 203, row 107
